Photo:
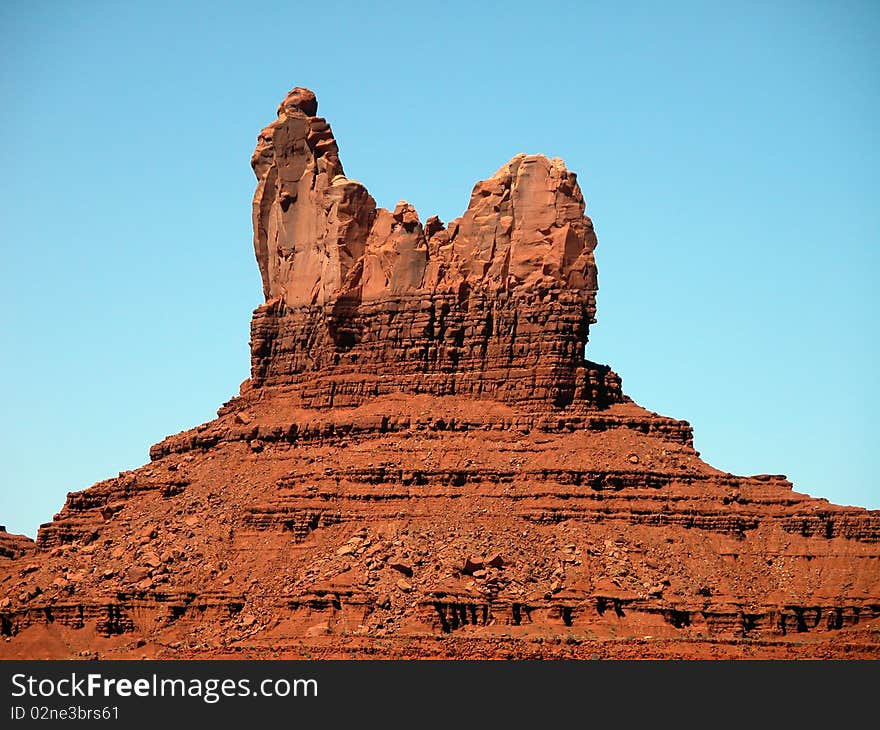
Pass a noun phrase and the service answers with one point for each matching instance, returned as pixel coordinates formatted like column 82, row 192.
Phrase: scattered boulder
column 471, row 564
column 401, row 568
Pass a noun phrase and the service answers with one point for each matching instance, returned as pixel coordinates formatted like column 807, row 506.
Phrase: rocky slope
column 423, row 464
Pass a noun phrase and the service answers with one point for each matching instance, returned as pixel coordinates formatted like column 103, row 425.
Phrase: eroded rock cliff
column 424, row 464
column 363, row 301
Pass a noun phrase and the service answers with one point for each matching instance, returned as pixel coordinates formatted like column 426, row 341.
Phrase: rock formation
column 424, row 464
column 364, row 301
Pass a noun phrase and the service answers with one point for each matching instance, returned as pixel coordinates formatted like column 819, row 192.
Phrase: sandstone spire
column 498, row 303
column 310, row 222
column 318, row 235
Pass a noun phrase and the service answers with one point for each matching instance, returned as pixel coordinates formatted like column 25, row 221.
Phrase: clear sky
column 728, row 153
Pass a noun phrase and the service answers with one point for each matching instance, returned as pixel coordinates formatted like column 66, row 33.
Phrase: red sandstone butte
column 424, row 464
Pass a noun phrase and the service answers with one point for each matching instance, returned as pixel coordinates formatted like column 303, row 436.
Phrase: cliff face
column 319, row 238
column 364, row 301
column 424, row 464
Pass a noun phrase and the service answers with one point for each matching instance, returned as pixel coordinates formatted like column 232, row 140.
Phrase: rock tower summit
column 424, row 464
column 497, row 304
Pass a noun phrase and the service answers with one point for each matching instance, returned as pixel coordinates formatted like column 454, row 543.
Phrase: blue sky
column 728, row 154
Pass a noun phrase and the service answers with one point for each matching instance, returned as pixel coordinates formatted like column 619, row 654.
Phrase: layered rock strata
column 363, row 301
column 424, row 464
